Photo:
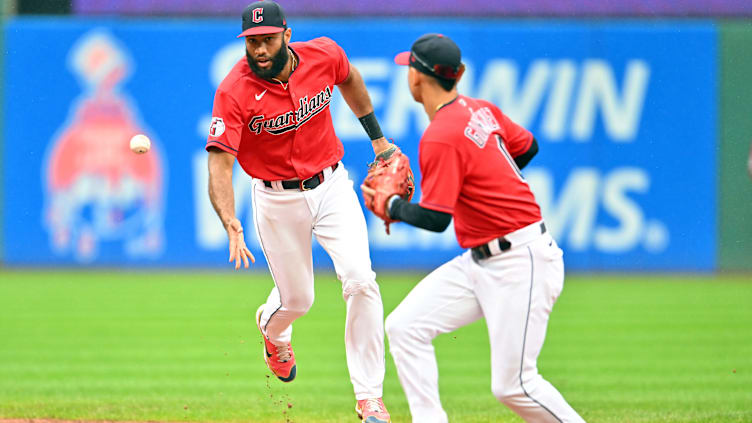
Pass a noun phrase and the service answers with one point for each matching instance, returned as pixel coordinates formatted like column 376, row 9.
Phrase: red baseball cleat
column 372, row 410
column 279, row 359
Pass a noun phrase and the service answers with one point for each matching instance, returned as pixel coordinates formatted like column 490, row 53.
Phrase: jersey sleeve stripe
column 224, row 147
column 528, row 144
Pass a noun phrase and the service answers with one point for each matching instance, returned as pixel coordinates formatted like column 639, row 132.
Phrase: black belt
column 305, row 184
column 483, row 252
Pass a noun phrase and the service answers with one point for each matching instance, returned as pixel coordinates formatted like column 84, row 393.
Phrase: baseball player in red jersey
column 470, row 158
column 271, row 113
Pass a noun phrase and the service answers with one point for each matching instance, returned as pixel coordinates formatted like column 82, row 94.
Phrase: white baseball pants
column 515, row 292
column 285, row 221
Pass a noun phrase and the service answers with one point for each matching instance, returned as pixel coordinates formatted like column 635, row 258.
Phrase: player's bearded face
column 279, row 60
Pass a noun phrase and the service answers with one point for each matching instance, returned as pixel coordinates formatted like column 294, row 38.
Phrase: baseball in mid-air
column 140, row 144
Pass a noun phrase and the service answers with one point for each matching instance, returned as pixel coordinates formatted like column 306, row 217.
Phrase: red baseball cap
column 263, row 17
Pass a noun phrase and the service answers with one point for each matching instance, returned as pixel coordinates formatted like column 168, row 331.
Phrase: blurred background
column 116, row 299
column 642, row 109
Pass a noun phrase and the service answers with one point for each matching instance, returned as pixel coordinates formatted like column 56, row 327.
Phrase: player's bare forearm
column 221, row 193
column 379, row 145
column 354, row 92
column 356, row 96
column 223, row 199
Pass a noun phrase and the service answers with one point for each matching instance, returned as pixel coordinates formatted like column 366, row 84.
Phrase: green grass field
column 183, row 347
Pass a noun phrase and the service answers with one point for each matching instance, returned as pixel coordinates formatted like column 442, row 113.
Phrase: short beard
column 279, row 61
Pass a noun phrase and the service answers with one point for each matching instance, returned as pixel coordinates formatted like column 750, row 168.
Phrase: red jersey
column 466, row 161
column 281, row 131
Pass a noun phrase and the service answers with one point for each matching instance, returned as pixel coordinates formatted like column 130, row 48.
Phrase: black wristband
column 371, row 125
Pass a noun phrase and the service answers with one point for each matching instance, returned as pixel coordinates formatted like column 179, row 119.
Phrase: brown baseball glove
column 388, row 175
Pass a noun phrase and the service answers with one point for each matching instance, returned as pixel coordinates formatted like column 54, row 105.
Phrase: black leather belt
column 483, row 251
column 305, row 184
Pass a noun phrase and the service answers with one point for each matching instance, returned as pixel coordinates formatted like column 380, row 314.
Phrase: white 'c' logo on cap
column 258, row 15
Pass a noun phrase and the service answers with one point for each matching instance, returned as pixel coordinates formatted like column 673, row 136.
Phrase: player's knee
column 360, row 285
column 400, row 330
column 394, row 328
column 299, row 303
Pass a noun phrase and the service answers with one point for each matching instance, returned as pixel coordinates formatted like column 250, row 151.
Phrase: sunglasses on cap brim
column 443, row 71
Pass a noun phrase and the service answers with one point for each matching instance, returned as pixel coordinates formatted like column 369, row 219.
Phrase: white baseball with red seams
column 281, row 132
column 140, row 144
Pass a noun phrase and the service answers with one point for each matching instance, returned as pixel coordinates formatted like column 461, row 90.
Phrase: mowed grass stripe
column 183, row 347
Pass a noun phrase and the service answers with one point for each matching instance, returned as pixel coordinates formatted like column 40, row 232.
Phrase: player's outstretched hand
column 381, row 145
column 238, row 250
column 383, row 151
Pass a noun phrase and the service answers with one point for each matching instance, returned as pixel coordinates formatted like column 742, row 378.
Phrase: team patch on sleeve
column 217, row 127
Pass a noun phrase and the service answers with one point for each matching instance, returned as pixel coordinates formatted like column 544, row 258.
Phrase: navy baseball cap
column 435, row 55
column 263, row 17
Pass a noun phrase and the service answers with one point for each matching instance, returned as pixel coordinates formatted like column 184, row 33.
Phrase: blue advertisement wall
column 624, row 112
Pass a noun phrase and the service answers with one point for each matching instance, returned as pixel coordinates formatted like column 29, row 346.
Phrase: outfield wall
column 2, row 132
column 735, row 186
column 626, row 114
column 447, row 8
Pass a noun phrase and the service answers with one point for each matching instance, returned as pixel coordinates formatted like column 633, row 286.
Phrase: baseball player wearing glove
column 512, row 271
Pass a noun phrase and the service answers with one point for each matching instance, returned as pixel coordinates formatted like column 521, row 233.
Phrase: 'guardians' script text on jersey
column 277, row 130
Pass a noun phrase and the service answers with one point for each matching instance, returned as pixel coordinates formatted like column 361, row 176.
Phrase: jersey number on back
column 508, row 157
column 480, row 126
